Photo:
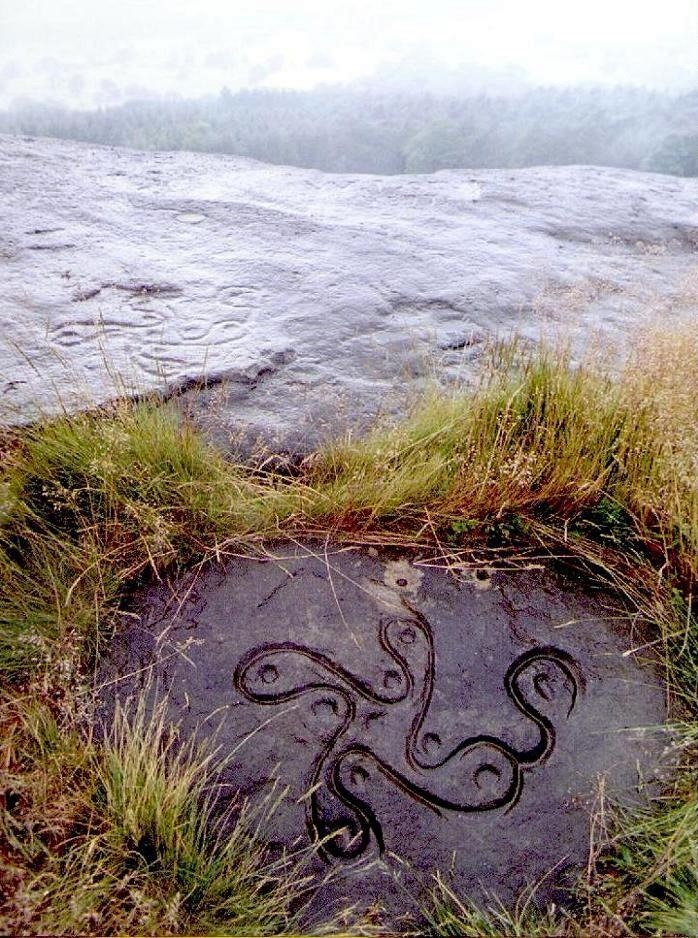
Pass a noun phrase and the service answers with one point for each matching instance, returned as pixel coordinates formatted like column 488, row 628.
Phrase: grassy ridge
column 543, row 457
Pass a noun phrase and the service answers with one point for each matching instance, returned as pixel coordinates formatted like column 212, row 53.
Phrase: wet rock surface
column 310, row 300
column 422, row 719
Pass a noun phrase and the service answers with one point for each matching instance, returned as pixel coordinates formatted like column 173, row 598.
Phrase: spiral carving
column 481, row 773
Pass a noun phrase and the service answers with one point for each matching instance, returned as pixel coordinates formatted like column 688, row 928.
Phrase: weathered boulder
column 423, row 719
column 318, row 297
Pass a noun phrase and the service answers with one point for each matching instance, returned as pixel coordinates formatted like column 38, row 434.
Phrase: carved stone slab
column 422, row 719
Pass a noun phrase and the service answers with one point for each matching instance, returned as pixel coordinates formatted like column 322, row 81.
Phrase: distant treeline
column 368, row 131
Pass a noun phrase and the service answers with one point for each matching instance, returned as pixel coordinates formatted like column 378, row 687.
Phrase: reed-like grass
column 448, row 915
column 135, row 844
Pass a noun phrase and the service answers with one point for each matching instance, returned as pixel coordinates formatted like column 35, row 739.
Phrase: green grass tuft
column 136, row 845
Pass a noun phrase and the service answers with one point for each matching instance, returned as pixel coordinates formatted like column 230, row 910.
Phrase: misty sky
column 96, row 52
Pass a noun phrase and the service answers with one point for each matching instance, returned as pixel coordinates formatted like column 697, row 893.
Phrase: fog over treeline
column 372, row 131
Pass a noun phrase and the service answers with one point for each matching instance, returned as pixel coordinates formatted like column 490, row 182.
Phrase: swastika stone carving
column 421, row 719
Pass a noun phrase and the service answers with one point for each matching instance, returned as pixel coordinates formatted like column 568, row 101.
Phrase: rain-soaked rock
column 423, row 719
column 309, row 300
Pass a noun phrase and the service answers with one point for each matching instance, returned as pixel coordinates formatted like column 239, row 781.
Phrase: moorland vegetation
column 547, row 459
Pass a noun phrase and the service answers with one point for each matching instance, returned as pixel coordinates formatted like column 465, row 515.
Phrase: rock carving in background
column 311, row 300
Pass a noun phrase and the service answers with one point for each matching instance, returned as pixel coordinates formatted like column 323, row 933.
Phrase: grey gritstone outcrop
column 318, row 299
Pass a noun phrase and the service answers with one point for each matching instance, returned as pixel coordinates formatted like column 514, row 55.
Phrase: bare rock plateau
column 307, row 300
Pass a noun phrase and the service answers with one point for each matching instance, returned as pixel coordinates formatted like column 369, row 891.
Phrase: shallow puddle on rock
column 190, row 218
column 411, row 714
